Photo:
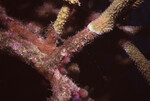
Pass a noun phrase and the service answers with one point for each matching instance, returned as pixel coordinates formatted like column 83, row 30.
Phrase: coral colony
column 52, row 58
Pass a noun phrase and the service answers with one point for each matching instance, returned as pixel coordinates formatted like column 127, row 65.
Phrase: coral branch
column 137, row 3
column 108, row 18
column 62, row 86
column 73, row 2
column 20, row 30
column 50, row 36
column 22, row 48
column 142, row 63
column 63, row 16
column 62, row 19
column 77, row 42
column 47, row 59
column 17, row 43
column 71, row 46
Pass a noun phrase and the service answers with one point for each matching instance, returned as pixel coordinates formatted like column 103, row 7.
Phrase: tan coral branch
column 108, row 18
column 62, row 19
column 73, row 2
column 63, row 16
column 142, row 63
column 137, row 3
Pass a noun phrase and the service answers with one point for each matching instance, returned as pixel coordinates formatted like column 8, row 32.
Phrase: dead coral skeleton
column 45, row 57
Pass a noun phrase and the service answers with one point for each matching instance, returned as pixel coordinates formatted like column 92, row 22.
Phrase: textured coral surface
column 74, row 50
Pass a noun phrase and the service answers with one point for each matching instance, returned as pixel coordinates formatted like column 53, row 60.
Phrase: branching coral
column 48, row 59
column 62, row 19
column 108, row 18
column 137, row 3
column 63, row 16
column 142, row 63
column 19, row 44
column 73, row 2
